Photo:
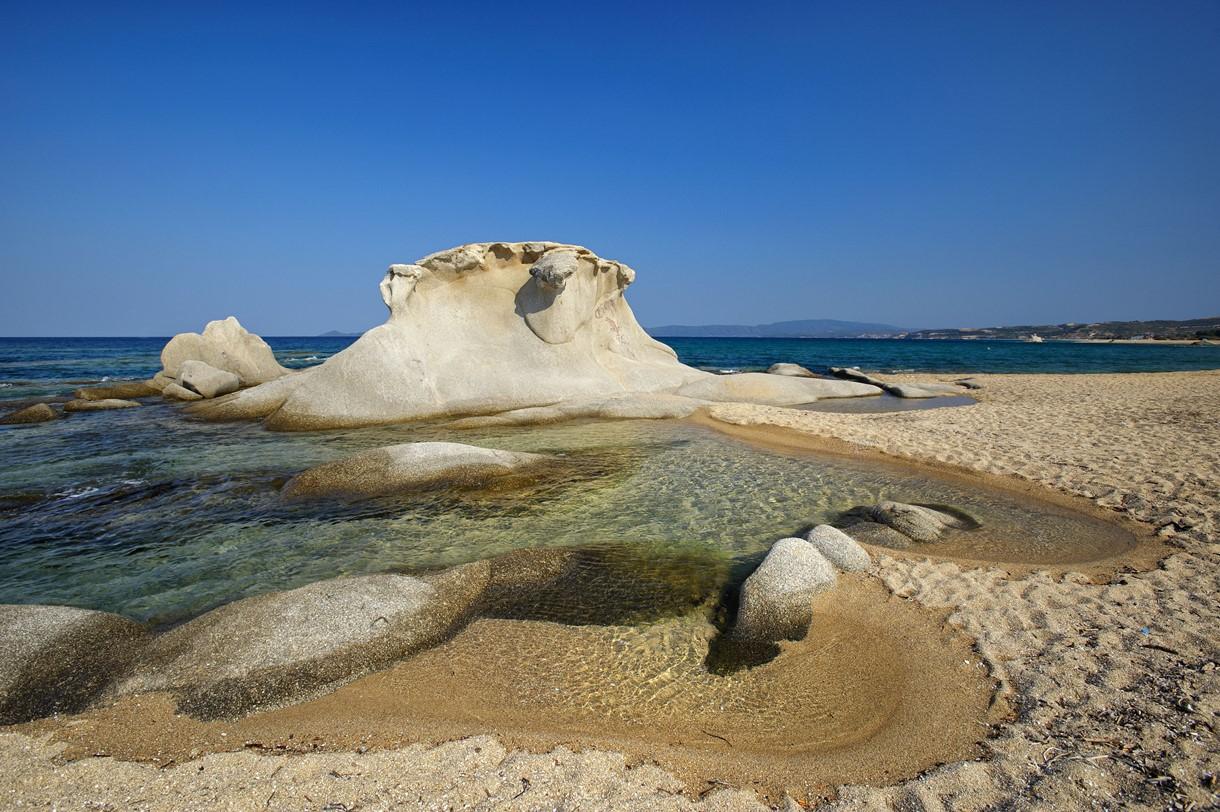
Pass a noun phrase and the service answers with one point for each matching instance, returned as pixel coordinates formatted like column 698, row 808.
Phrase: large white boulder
column 407, row 466
column 489, row 328
column 777, row 599
column 224, row 344
column 207, row 380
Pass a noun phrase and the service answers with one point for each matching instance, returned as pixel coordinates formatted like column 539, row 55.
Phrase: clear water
column 145, row 513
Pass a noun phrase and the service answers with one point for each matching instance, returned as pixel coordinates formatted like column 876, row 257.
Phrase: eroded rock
column 495, row 328
column 56, row 659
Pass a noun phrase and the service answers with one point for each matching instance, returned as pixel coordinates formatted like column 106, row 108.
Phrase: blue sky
column 923, row 164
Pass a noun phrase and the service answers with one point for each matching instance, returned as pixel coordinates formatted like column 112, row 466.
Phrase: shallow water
column 145, row 513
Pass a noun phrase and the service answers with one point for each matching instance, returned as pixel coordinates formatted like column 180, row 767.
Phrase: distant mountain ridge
column 802, row 328
column 337, row 334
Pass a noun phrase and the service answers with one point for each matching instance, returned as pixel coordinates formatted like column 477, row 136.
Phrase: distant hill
column 336, row 334
column 804, row 328
column 1103, row 330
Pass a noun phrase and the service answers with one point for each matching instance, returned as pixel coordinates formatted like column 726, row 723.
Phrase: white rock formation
column 490, row 328
column 207, row 380
column 226, row 345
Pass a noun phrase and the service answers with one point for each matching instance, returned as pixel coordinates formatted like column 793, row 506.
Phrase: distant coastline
column 1161, row 332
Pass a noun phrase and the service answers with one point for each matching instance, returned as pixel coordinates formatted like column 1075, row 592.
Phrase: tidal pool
column 157, row 517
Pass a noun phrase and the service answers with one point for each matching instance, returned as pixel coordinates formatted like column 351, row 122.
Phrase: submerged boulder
column 105, row 404
column 916, row 522
column 38, row 413
column 897, row 524
column 58, row 658
column 839, row 548
column 398, row 468
column 776, row 600
column 123, row 390
column 225, row 345
column 288, row 646
column 207, row 380
column 794, row 370
column 492, row 328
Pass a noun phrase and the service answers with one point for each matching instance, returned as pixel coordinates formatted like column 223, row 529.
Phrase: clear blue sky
column 924, row 164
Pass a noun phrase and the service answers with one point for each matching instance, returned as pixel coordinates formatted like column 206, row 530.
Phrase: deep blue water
column 41, row 367
column 896, row 355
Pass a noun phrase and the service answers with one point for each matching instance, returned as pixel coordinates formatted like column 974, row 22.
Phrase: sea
column 146, row 512
column 31, row 368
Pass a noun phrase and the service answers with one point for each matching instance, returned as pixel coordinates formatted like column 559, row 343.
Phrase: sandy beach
column 1113, row 686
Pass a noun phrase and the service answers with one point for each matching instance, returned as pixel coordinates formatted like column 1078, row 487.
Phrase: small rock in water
column 98, row 405
column 38, row 413
column 207, row 380
column 407, row 466
column 176, row 391
column 897, row 524
column 839, row 548
column 776, row 598
column 916, row 522
column 125, row 390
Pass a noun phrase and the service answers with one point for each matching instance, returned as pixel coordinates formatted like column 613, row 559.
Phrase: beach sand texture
column 1114, row 685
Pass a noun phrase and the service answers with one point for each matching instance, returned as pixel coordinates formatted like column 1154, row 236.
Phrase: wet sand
column 1114, row 686
column 879, row 690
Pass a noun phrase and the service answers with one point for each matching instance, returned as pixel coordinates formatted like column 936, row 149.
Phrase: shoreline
column 1109, row 680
